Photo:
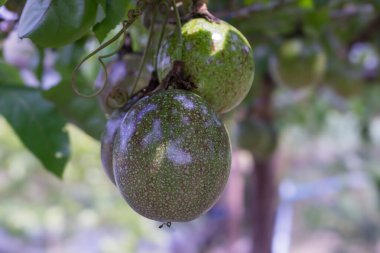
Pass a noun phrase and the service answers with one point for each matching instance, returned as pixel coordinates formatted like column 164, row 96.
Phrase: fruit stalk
column 200, row 10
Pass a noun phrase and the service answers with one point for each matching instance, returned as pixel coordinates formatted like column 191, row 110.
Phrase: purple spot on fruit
column 145, row 111
column 187, row 103
column 204, row 110
column 186, row 120
column 126, row 132
column 217, row 121
column 246, row 49
column 154, row 135
column 177, row 155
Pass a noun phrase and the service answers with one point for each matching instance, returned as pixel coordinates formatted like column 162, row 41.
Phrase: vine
column 133, row 14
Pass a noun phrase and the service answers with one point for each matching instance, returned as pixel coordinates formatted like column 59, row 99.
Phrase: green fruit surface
column 55, row 23
column 171, row 156
column 298, row 64
column 218, row 58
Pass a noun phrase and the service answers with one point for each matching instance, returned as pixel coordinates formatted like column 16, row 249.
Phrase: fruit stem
column 200, row 10
column 149, row 43
column 179, row 32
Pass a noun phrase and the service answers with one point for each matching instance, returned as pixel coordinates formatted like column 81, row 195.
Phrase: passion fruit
column 171, row 156
column 298, row 64
column 257, row 137
column 345, row 80
column 217, row 57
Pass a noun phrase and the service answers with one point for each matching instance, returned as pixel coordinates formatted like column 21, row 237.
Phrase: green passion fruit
column 298, row 64
column 345, row 80
column 257, row 137
column 171, row 156
column 217, row 57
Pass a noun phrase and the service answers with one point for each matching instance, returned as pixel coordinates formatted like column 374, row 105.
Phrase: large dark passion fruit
column 171, row 156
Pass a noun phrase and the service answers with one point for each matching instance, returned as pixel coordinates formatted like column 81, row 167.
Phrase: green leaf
column 38, row 125
column 9, row 74
column 306, row 4
column 55, row 23
column 115, row 12
column 82, row 112
column 2, row 2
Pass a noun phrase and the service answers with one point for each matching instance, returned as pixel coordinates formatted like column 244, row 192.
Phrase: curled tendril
column 135, row 13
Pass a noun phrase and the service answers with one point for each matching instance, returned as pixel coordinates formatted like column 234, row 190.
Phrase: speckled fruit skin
column 171, row 156
column 298, row 64
column 106, row 147
column 218, row 58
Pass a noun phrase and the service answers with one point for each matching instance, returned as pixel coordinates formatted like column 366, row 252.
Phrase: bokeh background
column 306, row 142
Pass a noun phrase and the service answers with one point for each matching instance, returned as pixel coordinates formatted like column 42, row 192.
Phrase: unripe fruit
column 298, row 64
column 257, row 137
column 218, row 59
column 344, row 80
column 171, row 156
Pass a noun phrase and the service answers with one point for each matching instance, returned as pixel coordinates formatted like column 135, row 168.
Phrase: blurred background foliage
column 306, row 140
